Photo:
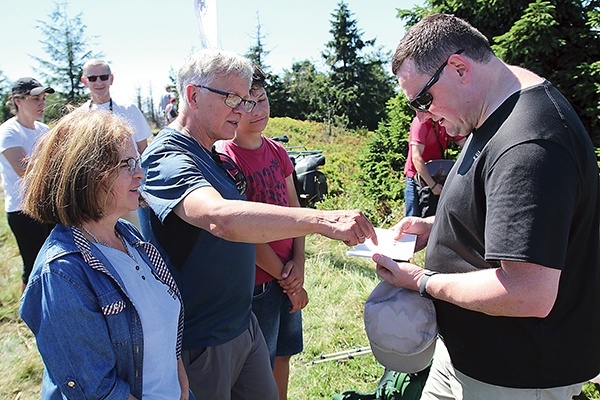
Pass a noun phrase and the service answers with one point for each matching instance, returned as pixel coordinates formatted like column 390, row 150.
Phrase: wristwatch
column 423, row 287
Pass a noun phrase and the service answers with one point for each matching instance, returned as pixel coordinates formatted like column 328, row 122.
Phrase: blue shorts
column 282, row 330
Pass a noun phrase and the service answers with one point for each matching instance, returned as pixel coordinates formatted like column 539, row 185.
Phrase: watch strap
column 423, row 286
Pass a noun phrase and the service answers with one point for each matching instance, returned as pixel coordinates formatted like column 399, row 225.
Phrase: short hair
column 433, row 39
column 94, row 62
column 259, row 79
column 69, row 176
column 203, row 66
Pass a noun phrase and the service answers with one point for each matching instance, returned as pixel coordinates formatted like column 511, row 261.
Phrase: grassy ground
column 337, row 285
column 20, row 364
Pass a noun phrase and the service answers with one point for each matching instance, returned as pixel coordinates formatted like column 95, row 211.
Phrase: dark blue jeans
column 411, row 199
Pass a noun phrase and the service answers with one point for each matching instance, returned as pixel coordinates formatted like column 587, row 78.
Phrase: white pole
column 206, row 14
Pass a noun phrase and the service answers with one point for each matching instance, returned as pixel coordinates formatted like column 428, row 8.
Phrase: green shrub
column 382, row 162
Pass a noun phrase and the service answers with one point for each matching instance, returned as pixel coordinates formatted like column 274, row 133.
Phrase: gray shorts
column 236, row 370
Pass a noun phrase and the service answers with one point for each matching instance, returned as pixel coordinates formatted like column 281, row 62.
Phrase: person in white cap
column 513, row 251
column 18, row 136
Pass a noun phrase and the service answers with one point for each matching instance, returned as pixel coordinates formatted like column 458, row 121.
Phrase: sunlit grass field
column 337, row 285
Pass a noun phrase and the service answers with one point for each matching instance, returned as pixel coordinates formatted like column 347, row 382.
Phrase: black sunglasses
column 422, row 101
column 232, row 170
column 231, row 99
column 93, row 78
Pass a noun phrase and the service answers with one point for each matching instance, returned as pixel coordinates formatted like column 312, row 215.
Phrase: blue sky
column 142, row 40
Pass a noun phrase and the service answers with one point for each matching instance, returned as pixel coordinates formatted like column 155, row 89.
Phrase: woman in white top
column 17, row 138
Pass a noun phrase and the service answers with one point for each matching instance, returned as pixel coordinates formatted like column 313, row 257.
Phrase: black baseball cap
column 28, row 85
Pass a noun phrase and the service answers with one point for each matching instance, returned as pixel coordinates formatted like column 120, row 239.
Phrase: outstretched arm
column 243, row 221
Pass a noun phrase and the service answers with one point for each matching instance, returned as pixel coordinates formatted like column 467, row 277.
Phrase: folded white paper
column 399, row 250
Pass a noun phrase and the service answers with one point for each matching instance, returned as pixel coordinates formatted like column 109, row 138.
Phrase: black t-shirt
column 525, row 188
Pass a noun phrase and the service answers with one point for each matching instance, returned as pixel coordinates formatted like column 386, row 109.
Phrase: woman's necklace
column 94, row 238
column 126, row 247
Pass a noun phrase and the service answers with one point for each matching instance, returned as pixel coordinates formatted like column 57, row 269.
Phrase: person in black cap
column 18, row 136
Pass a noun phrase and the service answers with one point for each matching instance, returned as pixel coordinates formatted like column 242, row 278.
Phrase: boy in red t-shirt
column 278, row 293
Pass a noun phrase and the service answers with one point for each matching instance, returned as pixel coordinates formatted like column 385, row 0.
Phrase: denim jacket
column 87, row 329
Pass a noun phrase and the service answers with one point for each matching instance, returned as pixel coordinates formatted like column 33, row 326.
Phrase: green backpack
column 392, row 386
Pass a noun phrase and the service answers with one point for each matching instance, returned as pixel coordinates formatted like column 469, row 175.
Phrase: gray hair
column 203, row 66
column 433, row 39
column 94, row 62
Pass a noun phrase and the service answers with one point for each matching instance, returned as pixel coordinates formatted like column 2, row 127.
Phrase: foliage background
column 337, row 285
column 556, row 39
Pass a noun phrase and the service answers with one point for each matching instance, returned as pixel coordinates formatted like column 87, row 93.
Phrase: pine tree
column 65, row 44
column 383, row 160
column 556, row 39
column 5, row 90
column 257, row 53
column 361, row 79
column 278, row 94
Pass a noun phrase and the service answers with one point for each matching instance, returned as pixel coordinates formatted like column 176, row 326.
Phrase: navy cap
column 28, row 85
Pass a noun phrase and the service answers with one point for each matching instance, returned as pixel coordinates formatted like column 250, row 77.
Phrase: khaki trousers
column 446, row 383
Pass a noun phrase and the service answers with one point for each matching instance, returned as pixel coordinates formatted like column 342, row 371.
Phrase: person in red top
column 427, row 141
column 278, row 292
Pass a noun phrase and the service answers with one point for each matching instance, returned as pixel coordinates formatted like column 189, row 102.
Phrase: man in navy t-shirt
column 206, row 232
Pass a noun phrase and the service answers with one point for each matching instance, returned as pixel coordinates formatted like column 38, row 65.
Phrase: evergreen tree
column 65, row 44
column 257, row 53
column 342, row 52
column 278, row 94
column 383, row 160
column 556, row 39
column 151, row 115
column 360, row 81
column 304, row 86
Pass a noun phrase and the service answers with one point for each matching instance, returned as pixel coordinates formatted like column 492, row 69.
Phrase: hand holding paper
column 398, row 250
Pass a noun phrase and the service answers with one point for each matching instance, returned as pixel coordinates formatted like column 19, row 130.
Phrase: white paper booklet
column 399, row 250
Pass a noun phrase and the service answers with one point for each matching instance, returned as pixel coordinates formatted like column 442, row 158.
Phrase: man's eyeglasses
column 422, row 101
column 231, row 99
column 94, row 78
column 232, row 170
column 131, row 164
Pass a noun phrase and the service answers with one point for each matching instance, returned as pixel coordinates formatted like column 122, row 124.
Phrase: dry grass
column 20, row 364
